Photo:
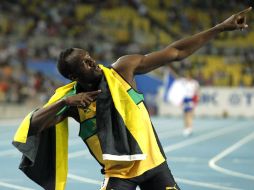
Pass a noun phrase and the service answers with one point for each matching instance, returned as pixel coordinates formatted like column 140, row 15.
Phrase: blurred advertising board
column 215, row 101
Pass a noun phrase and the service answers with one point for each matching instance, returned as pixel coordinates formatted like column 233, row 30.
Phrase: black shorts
column 159, row 178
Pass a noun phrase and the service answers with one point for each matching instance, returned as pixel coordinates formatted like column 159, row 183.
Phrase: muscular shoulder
column 126, row 65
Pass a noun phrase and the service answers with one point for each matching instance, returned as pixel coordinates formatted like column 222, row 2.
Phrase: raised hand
column 236, row 21
column 83, row 99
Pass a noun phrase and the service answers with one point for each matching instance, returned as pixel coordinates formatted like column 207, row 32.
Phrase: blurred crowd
column 38, row 30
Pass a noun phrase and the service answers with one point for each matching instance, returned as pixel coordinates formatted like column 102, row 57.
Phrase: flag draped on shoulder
column 45, row 156
column 122, row 119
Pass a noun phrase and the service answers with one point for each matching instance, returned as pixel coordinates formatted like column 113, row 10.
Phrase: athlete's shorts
column 188, row 104
column 159, row 178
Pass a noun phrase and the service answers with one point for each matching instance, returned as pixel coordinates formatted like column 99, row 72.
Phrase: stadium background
column 32, row 34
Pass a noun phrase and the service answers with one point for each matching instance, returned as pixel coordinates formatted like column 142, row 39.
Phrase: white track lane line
column 78, row 154
column 201, row 138
column 168, row 133
column 184, row 181
column 11, row 186
column 202, row 184
column 9, row 152
column 84, row 179
column 75, row 141
column 212, row 163
column 5, row 143
column 185, row 159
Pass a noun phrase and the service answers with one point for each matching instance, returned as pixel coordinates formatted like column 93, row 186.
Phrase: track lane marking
column 184, row 181
column 202, row 184
column 212, row 163
column 11, row 186
column 84, row 179
column 200, row 138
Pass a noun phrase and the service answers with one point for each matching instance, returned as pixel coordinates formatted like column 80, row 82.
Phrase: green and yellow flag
column 45, row 156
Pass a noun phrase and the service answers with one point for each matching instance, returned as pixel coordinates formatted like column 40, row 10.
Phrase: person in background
column 190, row 101
column 182, row 92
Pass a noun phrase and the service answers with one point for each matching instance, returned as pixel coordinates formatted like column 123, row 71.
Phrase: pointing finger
column 89, row 98
column 94, row 92
column 245, row 11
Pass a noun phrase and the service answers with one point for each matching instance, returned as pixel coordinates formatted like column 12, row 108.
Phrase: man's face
column 87, row 70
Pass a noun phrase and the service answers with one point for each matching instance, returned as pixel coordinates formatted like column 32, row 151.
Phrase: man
column 189, row 102
column 184, row 92
column 114, row 121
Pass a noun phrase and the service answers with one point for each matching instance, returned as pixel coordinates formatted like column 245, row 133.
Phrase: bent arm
column 46, row 117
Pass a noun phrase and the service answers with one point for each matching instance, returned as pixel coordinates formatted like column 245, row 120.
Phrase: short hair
column 64, row 65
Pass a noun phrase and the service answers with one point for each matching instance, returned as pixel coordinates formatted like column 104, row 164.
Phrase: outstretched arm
column 138, row 64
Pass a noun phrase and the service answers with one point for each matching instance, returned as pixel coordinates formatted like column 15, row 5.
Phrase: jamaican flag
column 45, row 155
